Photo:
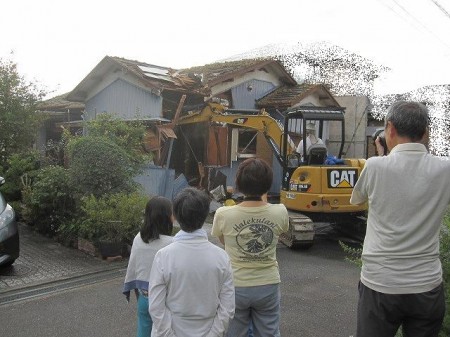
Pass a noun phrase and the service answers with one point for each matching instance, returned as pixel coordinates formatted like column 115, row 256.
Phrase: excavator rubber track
column 300, row 233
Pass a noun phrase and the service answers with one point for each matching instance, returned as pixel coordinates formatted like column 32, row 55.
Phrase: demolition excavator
column 315, row 188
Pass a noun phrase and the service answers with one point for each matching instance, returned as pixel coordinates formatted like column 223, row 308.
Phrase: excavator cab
column 296, row 123
column 316, row 187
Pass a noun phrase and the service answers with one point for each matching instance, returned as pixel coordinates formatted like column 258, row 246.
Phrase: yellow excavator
column 315, row 188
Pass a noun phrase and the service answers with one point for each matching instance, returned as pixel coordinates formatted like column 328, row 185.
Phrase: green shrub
column 54, row 151
column 116, row 217
column 99, row 166
column 50, row 200
column 128, row 135
column 445, row 260
column 67, row 232
column 18, row 165
column 353, row 254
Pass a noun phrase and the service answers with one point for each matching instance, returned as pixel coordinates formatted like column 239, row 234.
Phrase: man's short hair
column 190, row 208
column 410, row 119
column 254, row 177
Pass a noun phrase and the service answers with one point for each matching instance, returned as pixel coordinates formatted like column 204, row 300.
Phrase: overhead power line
column 447, row 14
column 413, row 21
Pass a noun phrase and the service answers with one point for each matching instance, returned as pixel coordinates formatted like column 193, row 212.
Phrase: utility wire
column 396, row 13
column 420, row 23
column 447, row 14
column 413, row 21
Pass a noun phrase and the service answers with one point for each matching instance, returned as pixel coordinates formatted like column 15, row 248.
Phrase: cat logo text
column 342, row 178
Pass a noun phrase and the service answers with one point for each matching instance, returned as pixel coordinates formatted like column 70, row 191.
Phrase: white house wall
column 310, row 100
column 356, row 111
column 124, row 100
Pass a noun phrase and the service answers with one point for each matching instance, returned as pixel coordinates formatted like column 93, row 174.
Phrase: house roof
column 160, row 77
column 151, row 77
column 287, row 96
column 224, row 71
column 195, row 80
column 59, row 103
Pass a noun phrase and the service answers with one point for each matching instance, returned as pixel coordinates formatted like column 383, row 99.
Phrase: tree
column 18, row 120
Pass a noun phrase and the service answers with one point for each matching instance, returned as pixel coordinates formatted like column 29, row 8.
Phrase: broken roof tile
column 288, row 95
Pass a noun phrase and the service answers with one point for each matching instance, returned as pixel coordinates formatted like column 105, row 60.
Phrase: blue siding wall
column 124, row 100
column 243, row 98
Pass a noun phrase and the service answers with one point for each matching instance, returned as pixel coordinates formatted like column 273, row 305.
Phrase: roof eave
column 80, row 92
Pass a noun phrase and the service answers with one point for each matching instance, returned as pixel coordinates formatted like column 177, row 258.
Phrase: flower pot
column 110, row 249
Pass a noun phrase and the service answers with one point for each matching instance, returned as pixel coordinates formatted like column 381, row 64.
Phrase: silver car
column 9, row 232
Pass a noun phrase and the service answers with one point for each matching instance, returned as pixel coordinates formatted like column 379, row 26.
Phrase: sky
column 57, row 43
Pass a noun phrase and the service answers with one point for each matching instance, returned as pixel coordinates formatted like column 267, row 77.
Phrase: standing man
column 408, row 192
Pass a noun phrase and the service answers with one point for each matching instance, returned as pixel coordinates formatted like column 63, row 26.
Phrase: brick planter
column 87, row 246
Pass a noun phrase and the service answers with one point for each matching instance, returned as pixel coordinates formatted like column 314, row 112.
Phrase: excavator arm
column 258, row 120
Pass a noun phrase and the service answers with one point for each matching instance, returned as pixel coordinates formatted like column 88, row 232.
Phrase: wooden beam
column 177, row 113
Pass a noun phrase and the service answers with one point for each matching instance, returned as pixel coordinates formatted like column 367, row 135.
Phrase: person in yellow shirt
column 249, row 232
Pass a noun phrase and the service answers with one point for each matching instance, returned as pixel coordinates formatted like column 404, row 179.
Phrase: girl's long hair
column 157, row 219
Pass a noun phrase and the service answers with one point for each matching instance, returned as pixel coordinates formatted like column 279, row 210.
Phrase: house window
column 243, row 143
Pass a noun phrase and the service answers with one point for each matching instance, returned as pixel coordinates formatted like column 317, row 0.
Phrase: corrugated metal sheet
column 157, row 181
column 245, row 95
column 179, row 184
column 125, row 101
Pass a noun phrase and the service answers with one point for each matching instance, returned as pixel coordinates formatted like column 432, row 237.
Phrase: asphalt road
column 94, row 310
column 319, row 291
column 319, row 295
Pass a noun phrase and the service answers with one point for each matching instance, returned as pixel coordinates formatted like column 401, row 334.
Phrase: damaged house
column 198, row 154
